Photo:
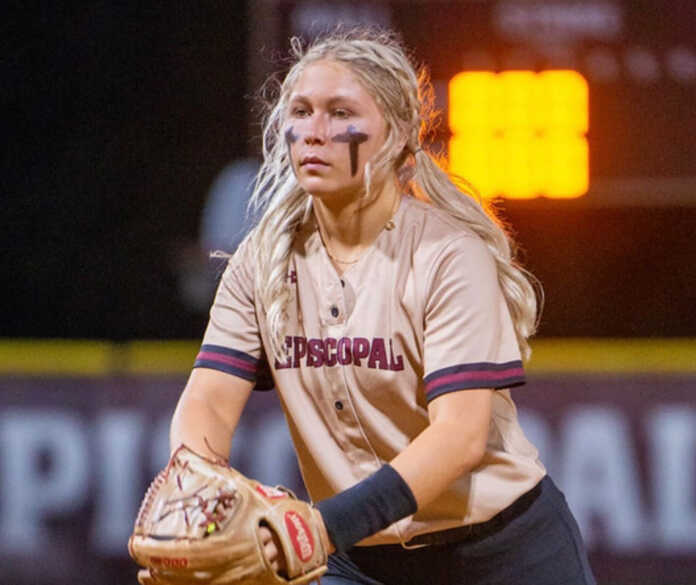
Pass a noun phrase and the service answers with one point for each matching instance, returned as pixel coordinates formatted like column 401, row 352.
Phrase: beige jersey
column 419, row 315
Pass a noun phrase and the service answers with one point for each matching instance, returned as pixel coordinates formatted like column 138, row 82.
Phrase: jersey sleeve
column 469, row 339
column 232, row 341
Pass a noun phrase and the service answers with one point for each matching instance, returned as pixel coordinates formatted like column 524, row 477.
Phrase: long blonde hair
column 403, row 94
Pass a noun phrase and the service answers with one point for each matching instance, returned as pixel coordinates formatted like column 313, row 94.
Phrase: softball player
column 384, row 305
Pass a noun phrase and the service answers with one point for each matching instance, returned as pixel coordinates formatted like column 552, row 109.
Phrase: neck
column 347, row 228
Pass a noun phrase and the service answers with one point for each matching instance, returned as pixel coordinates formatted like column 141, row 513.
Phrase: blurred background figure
column 225, row 220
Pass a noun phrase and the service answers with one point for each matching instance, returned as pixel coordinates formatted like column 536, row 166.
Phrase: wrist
column 323, row 532
column 366, row 508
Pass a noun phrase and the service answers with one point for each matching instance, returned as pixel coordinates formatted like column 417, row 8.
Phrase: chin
column 327, row 195
column 330, row 190
column 320, row 188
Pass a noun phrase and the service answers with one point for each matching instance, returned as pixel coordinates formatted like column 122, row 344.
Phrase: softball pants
column 535, row 541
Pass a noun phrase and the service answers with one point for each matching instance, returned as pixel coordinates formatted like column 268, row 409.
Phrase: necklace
column 389, row 225
column 340, row 261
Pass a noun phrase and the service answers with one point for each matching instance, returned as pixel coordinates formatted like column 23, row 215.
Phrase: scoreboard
column 559, row 99
column 519, row 133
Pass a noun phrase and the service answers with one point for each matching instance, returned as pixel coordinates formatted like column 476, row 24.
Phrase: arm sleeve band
column 366, row 508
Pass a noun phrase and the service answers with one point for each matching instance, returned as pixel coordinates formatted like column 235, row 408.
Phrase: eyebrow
column 330, row 101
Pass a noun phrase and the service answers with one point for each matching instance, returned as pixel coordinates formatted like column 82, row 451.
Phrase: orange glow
column 520, row 134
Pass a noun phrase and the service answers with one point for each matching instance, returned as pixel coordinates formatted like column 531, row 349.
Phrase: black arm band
column 369, row 506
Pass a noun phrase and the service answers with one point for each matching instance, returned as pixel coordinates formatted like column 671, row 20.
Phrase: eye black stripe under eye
column 354, row 138
column 290, row 136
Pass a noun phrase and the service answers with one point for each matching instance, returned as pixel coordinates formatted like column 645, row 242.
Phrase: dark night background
column 120, row 117
column 119, row 120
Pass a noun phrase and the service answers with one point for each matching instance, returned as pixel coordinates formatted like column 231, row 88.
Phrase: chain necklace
column 340, row 261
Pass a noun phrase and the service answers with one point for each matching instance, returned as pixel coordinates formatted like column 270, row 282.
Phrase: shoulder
column 439, row 238
column 240, row 265
column 433, row 225
column 243, row 256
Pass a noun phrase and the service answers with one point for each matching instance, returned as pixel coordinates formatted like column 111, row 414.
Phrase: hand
column 272, row 549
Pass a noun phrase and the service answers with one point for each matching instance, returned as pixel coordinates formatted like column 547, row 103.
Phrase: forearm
column 418, row 475
column 439, row 455
column 452, row 445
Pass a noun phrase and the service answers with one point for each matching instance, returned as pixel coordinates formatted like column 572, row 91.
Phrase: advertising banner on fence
column 77, row 454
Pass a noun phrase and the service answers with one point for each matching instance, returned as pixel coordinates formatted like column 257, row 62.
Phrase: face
column 333, row 126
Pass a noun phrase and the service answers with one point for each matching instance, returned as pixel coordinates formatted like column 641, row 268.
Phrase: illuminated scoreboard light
column 520, row 134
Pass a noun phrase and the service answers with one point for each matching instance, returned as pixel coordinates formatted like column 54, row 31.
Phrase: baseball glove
column 199, row 524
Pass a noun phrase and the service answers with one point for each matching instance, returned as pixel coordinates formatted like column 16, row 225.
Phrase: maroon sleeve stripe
column 478, row 375
column 227, row 360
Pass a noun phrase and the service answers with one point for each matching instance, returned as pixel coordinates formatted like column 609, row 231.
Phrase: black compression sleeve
column 369, row 506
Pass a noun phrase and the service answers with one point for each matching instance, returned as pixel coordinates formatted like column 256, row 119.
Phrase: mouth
column 313, row 160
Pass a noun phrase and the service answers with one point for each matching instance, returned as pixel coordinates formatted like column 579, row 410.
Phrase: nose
column 315, row 131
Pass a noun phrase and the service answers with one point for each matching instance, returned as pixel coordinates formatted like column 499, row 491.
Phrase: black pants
column 539, row 545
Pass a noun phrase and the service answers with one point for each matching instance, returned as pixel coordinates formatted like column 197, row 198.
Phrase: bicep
column 465, row 415
column 208, row 412
column 463, row 405
column 223, row 393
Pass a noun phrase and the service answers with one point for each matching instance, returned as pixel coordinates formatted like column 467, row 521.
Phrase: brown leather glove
column 199, row 524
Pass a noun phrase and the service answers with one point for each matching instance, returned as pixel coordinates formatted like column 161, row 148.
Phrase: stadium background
column 126, row 125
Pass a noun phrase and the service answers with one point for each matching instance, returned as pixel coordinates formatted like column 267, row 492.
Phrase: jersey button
column 343, row 283
column 339, row 405
column 334, row 311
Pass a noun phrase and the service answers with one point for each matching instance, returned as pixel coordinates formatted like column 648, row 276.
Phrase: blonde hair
column 404, row 97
